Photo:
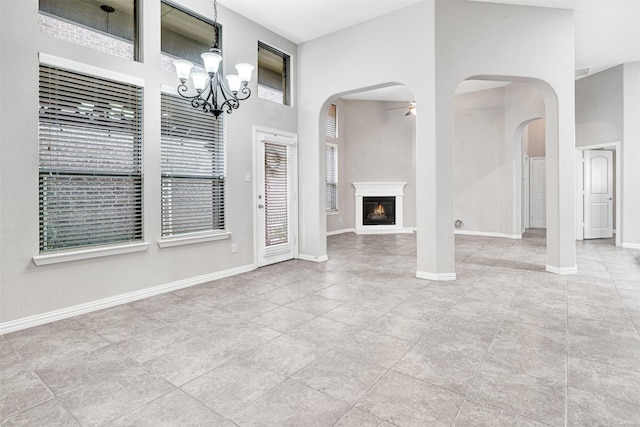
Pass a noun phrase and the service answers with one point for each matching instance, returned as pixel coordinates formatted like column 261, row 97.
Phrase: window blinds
column 193, row 174
column 331, row 122
column 331, row 165
column 276, row 194
column 90, row 152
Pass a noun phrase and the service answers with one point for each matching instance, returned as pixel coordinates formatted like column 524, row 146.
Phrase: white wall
column 377, row 145
column 28, row 290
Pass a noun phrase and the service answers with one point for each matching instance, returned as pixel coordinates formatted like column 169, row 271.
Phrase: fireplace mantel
column 380, row 189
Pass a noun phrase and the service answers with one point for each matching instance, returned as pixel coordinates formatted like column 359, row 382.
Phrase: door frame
column 257, row 133
column 612, row 146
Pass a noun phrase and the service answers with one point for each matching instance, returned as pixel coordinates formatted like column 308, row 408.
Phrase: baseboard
column 489, row 234
column 313, row 258
column 343, row 231
column 440, row 277
column 563, row 271
column 76, row 310
column 630, row 245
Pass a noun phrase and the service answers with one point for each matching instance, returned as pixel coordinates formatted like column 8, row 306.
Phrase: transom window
column 110, row 26
column 184, row 35
column 273, row 74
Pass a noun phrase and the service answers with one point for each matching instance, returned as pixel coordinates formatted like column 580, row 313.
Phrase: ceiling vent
column 583, row 72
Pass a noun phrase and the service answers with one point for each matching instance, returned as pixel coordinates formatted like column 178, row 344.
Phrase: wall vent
column 583, row 72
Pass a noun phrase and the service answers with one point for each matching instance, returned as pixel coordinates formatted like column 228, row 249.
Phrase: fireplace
column 379, row 207
column 379, row 210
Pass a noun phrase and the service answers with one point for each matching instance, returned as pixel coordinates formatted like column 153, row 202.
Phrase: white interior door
column 538, row 192
column 276, row 198
column 598, row 194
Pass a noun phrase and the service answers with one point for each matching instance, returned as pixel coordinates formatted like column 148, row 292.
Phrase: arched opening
column 504, row 127
column 369, row 161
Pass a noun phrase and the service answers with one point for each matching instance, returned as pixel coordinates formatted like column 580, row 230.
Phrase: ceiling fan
column 411, row 108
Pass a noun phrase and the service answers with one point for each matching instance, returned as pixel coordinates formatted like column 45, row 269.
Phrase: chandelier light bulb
column 212, row 61
column 200, row 81
column 234, row 83
column 244, row 72
column 183, row 69
column 213, row 94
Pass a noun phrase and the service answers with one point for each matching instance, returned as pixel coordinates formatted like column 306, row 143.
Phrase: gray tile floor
column 356, row 341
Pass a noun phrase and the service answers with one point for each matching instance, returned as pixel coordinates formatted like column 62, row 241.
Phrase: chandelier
column 213, row 94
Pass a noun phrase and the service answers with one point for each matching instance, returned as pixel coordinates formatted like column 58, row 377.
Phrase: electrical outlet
column 234, row 248
column 340, row 219
column 247, row 176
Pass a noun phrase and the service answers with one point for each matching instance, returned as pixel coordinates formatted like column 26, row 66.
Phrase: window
column 331, row 159
column 193, row 175
column 184, row 36
column 331, row 122
column 108, row 26
column 90, row 150
column 273, row 75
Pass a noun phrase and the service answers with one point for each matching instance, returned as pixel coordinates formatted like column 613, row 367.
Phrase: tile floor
column 356, row 341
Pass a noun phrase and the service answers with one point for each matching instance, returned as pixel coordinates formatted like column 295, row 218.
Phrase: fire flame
column 379, row 210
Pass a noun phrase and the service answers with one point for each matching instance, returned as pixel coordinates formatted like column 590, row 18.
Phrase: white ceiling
column 607, row 31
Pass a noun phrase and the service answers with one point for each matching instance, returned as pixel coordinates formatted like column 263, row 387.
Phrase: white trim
column 630, row 245
column 76, row 310
column 563, row 271
column 344, row 230
column 188, row 239
column 384, row 229
column 439, row 277
column 67, row 64
column 260, row 134
column 76, row 255
column 489, row 234
column 313, row 258
column 329, row 213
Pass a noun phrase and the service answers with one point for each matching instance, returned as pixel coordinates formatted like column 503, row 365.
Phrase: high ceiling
column 607, row 31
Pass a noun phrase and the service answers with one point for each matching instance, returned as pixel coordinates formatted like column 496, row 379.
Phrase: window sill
column 75, row 255
column 188, row 239
column 333, row 212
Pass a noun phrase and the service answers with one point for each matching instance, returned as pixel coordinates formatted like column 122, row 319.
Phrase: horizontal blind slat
column 193, row 169
column 90, row 149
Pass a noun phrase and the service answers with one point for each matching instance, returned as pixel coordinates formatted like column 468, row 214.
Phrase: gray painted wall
column 599, row 107
column 28, row 290
column 607, row 110
column 480, row 164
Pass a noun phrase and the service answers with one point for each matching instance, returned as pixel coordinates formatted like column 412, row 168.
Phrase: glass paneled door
column 276, row 198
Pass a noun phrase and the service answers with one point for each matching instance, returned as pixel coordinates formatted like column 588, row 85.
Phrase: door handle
column 610, row 198
column 260, row 206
